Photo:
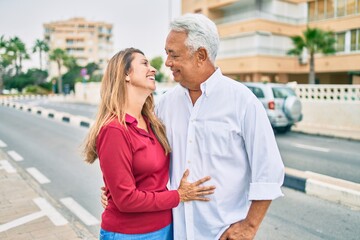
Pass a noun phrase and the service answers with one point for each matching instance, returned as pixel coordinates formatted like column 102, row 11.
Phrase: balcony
column 214, row 4
column 260, row 14
column 252, row 52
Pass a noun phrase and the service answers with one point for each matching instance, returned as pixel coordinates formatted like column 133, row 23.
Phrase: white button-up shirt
column 226, row 135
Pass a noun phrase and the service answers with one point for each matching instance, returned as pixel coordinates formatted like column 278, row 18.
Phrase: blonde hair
column 113, row 97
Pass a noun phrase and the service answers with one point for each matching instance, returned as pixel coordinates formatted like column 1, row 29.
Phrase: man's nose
column 168, row 62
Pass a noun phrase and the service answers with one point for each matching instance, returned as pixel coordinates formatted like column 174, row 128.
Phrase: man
column 216, row 127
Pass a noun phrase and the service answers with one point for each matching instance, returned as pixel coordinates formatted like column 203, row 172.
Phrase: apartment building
column 255, row 38
column 87, row 41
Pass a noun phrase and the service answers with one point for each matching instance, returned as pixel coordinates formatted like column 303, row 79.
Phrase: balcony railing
column 262, row 15
column 252, row 52
column 212, row 4
column 331, row 92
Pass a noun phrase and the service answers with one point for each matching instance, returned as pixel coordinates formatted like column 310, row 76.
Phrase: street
column 329, row 156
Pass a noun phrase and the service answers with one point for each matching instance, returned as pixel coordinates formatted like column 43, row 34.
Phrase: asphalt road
column 334, row 157
column 339, row 158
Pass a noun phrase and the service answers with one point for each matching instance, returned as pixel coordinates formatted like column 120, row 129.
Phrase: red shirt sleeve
column 115, row 155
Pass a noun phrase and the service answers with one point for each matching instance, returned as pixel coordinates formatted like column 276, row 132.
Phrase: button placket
column 191, row 149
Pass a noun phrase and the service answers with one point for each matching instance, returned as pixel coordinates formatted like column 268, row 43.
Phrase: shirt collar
column 208, row 86
column 130, row 119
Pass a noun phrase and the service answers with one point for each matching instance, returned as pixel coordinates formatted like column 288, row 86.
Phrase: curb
column 49, row 113
column 333, row 189
column 321, row 134
column 329, row 188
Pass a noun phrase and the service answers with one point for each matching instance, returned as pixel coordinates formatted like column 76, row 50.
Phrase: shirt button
column 188, row 161
column 190, row 141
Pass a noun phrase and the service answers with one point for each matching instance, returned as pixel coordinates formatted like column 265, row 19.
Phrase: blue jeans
column 165, row 233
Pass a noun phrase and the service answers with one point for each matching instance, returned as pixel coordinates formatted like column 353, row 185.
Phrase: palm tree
column 313, row 40
column 7, row 55
column 40, row 46
column 18, row 49
column 3, row 62
column 59, row 56
column 70, row 62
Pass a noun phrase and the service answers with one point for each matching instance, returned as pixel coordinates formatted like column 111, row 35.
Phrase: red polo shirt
column 135, row 171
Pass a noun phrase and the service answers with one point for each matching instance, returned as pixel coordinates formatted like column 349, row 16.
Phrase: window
column 340, row 42
column 321, row 9
column 329, row 8
column 350, row 7
column 311, row 11
column 257, row 91
column 355, row 39
column 282, row 92
column 69, row 41
column 340, row 8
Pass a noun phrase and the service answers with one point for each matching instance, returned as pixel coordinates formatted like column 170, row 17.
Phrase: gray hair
column 201, row 32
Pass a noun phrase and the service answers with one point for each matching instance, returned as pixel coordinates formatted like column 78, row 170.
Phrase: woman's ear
column 127, row 78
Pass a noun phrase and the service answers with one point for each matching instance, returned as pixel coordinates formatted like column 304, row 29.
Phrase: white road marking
column 2, row 144
column 55, row 216
column 14, row 155
column 320, row 149
column 21, row 221
column 46, row 210
column 4, row 164
column 79, row 211
column 38, row 175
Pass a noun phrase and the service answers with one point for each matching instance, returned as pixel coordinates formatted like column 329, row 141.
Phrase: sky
column 136, row 23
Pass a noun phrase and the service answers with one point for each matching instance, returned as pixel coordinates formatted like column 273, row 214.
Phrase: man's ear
column 202, row 54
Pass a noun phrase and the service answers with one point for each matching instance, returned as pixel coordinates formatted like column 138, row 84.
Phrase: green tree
column 17, row 49
column 40, row 46
column 157, row 63
column 72, row 76
column 91, row 68
column 34, row 77
column 3, row 62
column 70, row 62
column 7, row 58
column 59, row 56
column 313, row 40
column 6, row 55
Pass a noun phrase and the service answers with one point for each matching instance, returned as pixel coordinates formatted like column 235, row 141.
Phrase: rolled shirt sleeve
column 267, row 168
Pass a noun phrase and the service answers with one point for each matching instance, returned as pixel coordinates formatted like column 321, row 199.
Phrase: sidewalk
column 27, row 212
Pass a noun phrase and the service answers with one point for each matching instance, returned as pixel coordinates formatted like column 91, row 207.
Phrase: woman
column 133, row 151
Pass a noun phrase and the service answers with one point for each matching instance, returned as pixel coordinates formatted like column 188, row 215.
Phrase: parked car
column 282, row 105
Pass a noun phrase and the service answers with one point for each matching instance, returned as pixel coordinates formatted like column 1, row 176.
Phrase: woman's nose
column 153, row 69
